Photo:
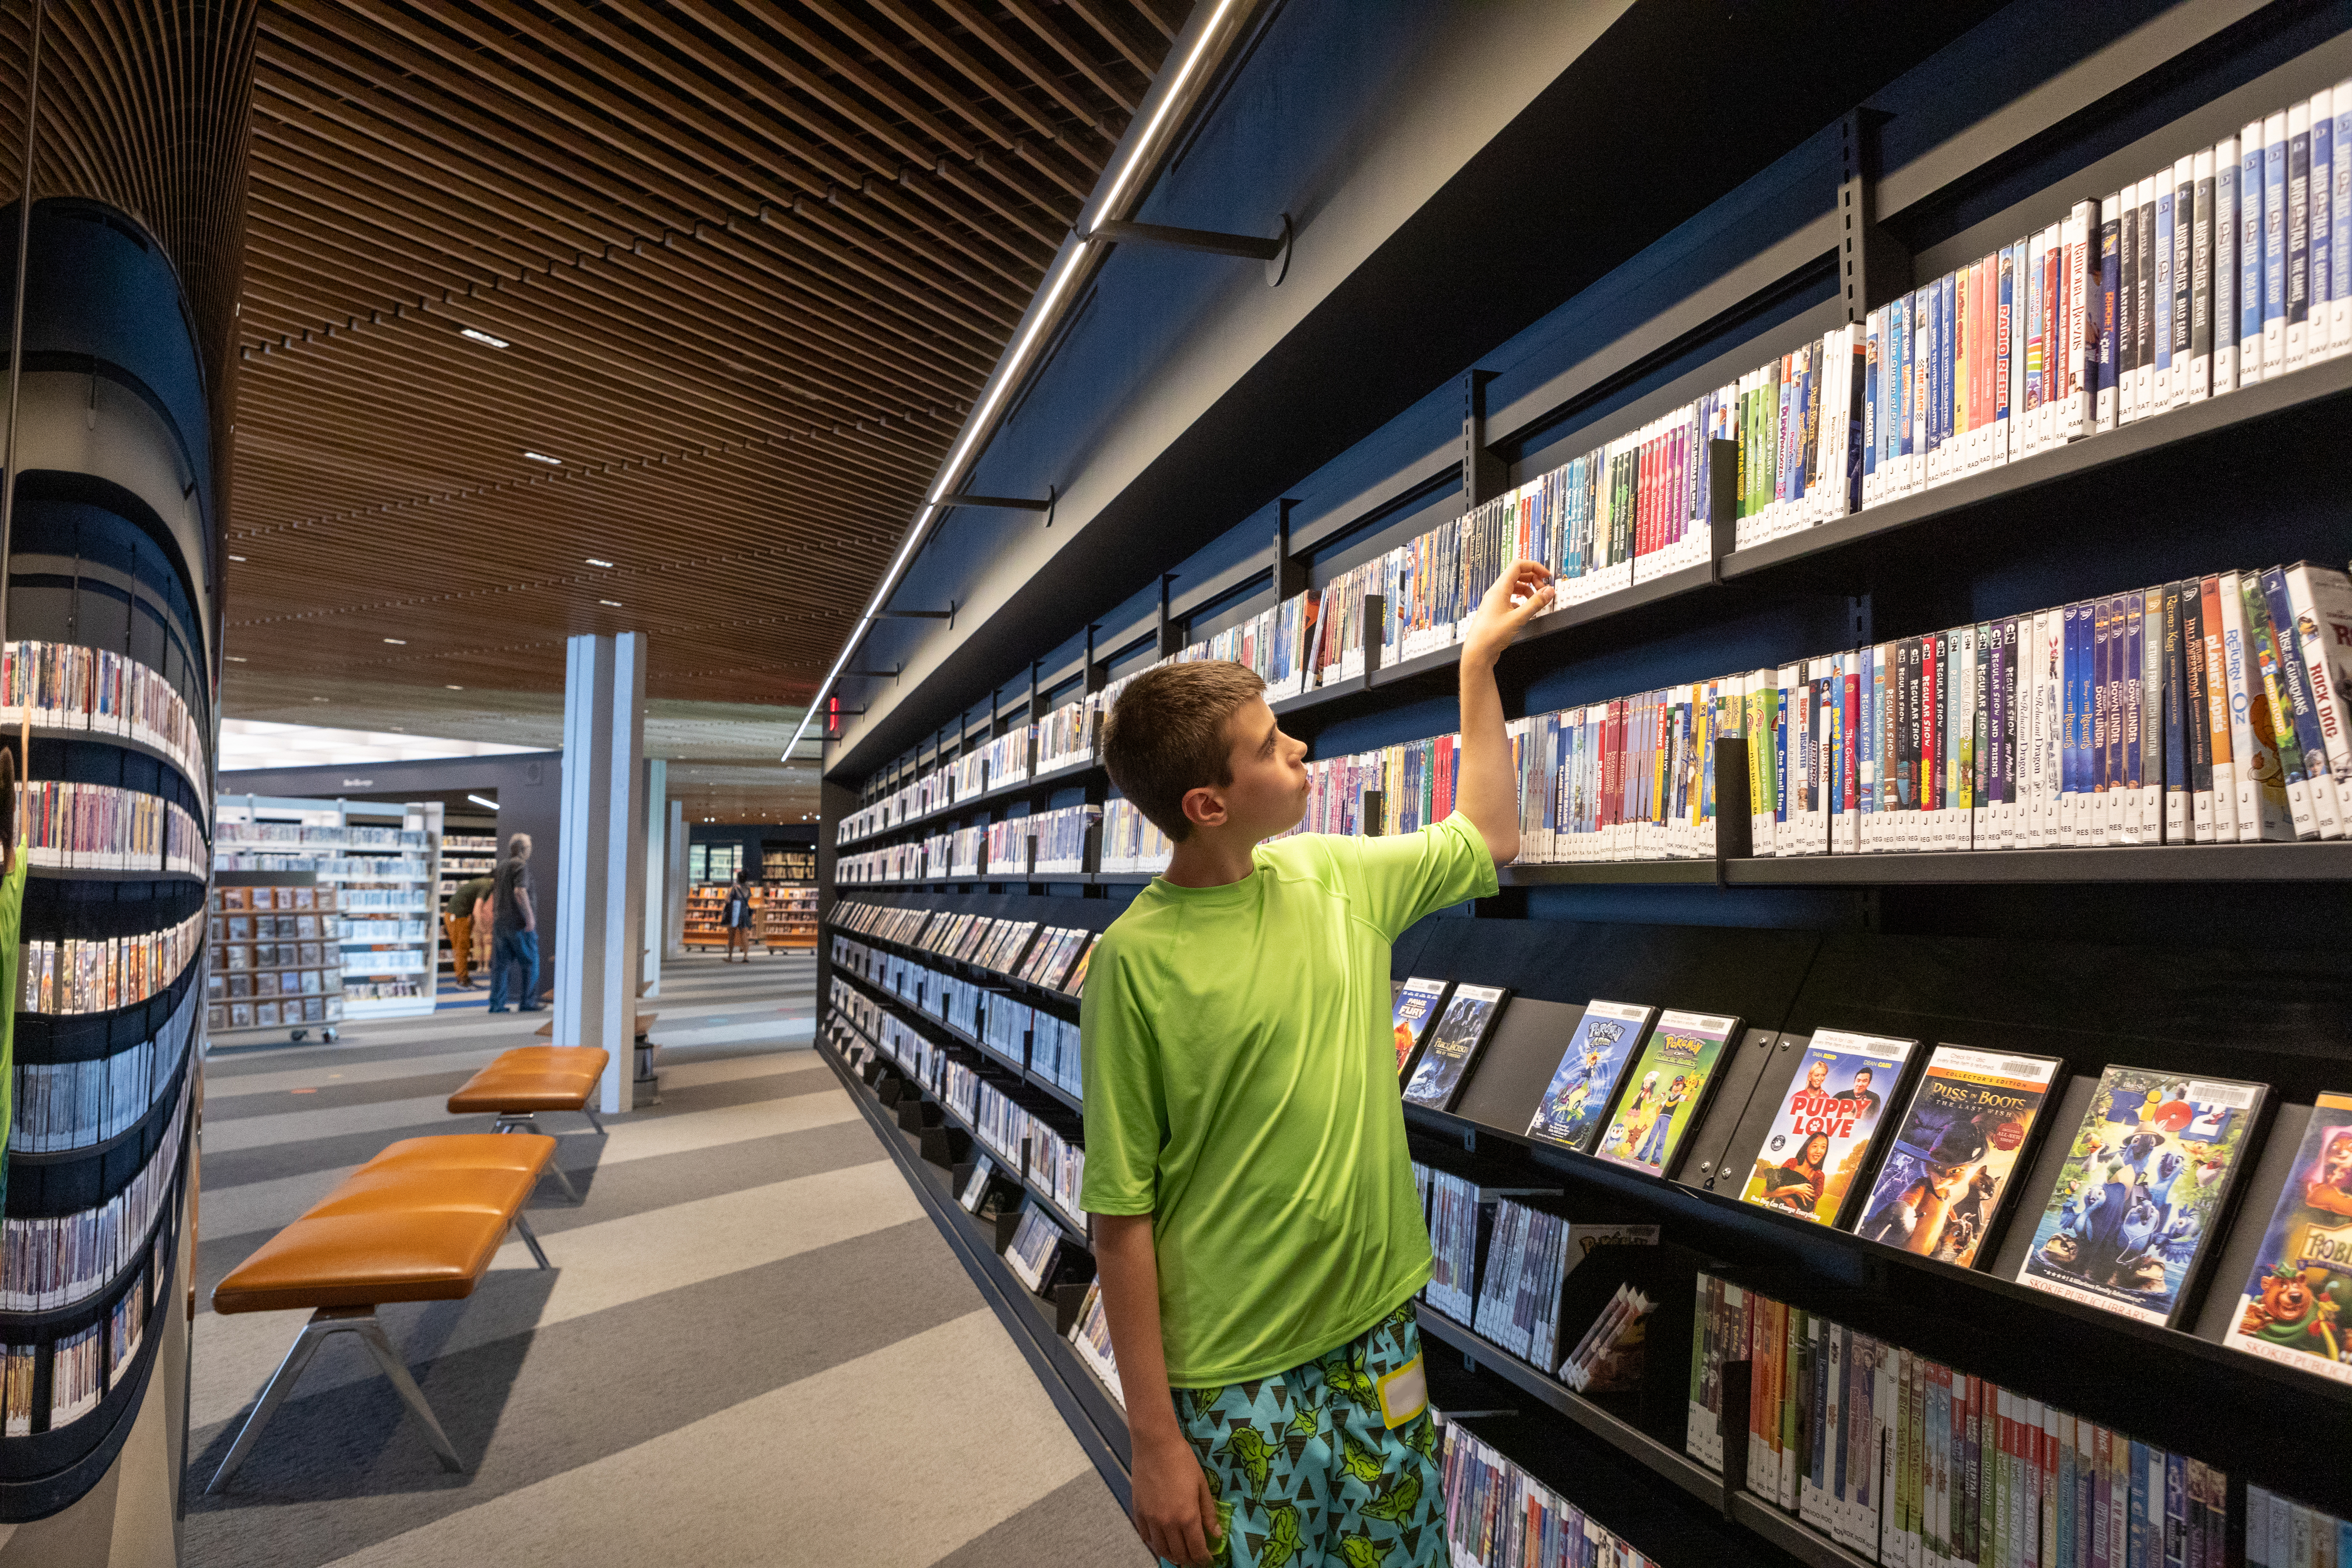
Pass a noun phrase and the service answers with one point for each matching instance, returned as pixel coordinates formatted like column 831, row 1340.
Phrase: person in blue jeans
column 514, row 929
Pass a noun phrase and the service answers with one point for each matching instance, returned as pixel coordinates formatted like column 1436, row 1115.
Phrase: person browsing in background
column 736, row 919
column 459, row 917
column 514, row 930
column 1257, row 1226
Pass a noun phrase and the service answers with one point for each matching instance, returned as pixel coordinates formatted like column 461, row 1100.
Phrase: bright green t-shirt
column 1241, row 1088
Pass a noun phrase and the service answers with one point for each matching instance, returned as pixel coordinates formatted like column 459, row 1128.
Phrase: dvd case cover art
column 2296, row 1307
column 1413, row 1005
column 1664, row 1090
column 1939, row 1185
column 1462, row 1029
column 1822, row 1135
column 1577, row 1099
column 2145, row 1186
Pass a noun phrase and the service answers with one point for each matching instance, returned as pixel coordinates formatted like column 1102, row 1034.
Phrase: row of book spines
column 1964, row 721
column 1028, row 1037
column 77, row 975
column 1916, row 1464
column 61, row 823
column 1052, row 958
column 59, row 1106
column 71, row 685
column 1498, row 1516
column 54, row 1261
column 2283, row 1533
column 83, row 1365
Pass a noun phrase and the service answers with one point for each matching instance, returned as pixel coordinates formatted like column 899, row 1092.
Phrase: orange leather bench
column 420, row 1221
column 529, row 1079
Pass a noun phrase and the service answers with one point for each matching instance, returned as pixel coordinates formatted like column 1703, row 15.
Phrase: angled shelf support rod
column 1274, row 252
column 1007, row 503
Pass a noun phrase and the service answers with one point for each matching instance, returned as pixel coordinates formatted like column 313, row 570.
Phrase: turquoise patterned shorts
column 1329, row 1465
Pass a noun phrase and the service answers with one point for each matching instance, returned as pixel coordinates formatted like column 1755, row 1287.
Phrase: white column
column 656, row 871
column 674, row 914
column 600, row 875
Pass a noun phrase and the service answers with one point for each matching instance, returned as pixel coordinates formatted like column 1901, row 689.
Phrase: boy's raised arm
column 1489, row 795
column 1175, row 1511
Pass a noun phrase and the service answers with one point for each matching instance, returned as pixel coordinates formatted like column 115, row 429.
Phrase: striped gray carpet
column 754, row 1347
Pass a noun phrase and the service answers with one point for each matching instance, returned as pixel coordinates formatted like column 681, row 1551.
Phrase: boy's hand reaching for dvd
column 1523, row 592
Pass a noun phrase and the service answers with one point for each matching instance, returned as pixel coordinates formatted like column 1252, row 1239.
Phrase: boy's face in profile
column 1268, row 795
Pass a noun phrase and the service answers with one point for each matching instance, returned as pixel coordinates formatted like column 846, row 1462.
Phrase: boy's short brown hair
column 1166, row 736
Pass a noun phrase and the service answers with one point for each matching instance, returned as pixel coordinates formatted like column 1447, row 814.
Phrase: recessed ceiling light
column 594, row 562
column 457, row 688
column 397, row 641
column 236, row 558
column 318, row 699
column 543, row 457
column 234, row 658
column 483, row 338
column 614, row 603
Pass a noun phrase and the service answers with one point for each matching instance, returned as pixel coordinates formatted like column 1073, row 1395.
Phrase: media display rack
column 2221, row 961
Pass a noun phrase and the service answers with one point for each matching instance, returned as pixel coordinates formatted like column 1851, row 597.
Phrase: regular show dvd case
column 2139, row 1204
column 1666, row 1091
column 1827, row 1125
column 1577, row 1100
column 2295, row 1305
column 1461, row 1033
column 1413, row 1007
column 1955, row 1155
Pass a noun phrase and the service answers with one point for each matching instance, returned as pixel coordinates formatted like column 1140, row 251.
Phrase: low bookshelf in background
column 706, row 907
column 788, row 916
column 277, row 961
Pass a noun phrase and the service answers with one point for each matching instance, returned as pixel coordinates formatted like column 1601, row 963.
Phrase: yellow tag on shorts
column 1404, row 1393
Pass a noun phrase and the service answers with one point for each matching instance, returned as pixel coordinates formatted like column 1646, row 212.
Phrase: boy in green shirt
column 1256, row 1225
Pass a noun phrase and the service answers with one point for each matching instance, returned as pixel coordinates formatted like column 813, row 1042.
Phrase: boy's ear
column 1204, row 807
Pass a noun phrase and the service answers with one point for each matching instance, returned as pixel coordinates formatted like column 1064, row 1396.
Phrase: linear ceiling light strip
column 1213, row 30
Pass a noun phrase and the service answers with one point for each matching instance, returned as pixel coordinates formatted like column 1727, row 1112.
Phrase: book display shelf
column 382, row 863
column 788, row 916
column 1760, row 878
column 110, row 687
column 276, row 959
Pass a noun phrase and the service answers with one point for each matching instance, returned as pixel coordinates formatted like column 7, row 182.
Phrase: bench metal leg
column 372, row 1335
column 522, row 1229
column 359, row 1320
column 589, row 1113
column 526, row 1121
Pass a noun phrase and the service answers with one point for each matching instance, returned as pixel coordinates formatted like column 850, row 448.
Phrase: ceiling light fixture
column 614, row 603
column 236, row 558
column 234, row 658
column 483, row 338
column 478, row 800
column 1037, row 322
column 543, row 457
column 397, row 641
column 457, row 688
column 594, row 562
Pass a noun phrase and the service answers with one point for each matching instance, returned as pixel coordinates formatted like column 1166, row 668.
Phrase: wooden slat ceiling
column 752, row 260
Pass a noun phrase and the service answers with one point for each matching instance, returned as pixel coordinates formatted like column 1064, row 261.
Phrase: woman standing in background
column 736, row 919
